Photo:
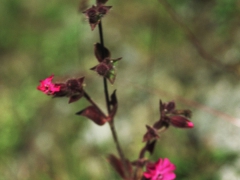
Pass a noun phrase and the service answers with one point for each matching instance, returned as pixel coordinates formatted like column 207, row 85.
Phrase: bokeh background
column 187, row 51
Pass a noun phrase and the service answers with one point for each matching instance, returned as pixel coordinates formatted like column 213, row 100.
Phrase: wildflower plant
column 128, row 169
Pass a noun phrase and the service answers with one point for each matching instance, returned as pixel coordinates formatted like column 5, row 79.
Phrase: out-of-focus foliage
column 41, row 138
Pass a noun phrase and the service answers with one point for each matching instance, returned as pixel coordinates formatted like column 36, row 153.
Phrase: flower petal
column 47, row 87
column 162, row 168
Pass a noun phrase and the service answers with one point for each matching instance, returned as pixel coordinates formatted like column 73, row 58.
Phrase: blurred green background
column 42, row 138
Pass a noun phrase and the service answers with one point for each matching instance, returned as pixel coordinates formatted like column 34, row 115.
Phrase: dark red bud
column 181, row 122
column 102, row 10
column 170, row 106
column 93, row 21
column 101, row 52
column 75, row 85
column 103, row 69
column 91, row 13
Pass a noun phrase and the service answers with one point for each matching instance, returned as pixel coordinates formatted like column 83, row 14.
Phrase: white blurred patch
column 97, row 134
column 228, row 172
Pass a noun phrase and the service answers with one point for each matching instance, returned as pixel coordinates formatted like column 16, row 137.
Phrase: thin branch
column 195, row 42
column 91, row 101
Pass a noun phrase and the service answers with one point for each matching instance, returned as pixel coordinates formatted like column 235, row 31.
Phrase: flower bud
column 181, row 122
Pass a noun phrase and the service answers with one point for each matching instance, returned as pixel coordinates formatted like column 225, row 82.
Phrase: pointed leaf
column 94, row 68
column 115, row 61
column 116, row 164
column 150, row 146
column 129, row 167
column 111, row 76
column 114, row 104
column 81, row 79
column 114, row 101
column 101, row 52
column 161, row 106
column 93, row 23
column 94, row 114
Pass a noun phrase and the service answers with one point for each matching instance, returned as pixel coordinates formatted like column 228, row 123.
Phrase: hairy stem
column 111, row 123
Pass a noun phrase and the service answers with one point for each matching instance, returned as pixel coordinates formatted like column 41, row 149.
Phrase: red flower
column 160, row 170
column 47, row 87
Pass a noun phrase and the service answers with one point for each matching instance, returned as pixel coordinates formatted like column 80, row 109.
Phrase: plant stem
column 140, row 157
column 111, row 123
column 91, row 101
column 104, row 79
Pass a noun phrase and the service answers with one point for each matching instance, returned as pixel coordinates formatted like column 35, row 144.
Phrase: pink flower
column 47, row 87
column 160, row 170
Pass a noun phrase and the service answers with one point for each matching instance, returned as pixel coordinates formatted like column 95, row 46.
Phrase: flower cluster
column 177, row 118
column 169, row 115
